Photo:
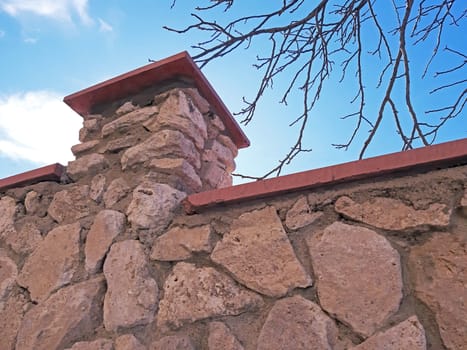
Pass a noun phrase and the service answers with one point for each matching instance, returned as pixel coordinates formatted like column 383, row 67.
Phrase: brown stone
column 8, row 211
column 128, row 342
column 11, row 314
column 439, row 273
column 463, row 203
column 121, row 143
column 173, row 342
column 70, row 314
column 227, row 142
column 391, row 214
column 99, row 344
column 194, row 96
column 296, row 323
column 224, row 155
column 221, row 337
column 25, row 240
column 179, row 167
column 358, row 276
column 129, row 120
column 300, row 215
column 215, row 175
column 8, row 274
column 84, row 147
column 107, row 225
column 153, row 205
column 160, row 145
column 216, row 295
column 407, row 335
column 117, row 190
column 70, row 205
column 89, row 126
column 53, row 263
column 97, row 188
column 125, row 108
column 86, row 165
column 259, row 255
column 132, row 294
column 34, row 204
column 180, row 243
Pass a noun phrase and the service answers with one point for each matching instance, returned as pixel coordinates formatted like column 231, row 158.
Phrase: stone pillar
column 169, row 127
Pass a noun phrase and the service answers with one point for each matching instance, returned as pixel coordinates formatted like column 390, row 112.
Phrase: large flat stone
column 407, row 335
column 153, row 205
column 132, row 294
column 392, row 214
column 129, row 120
column 358, row 276
column 107, row 225
column 439, row 273
column 296, row 323
column 53, row 263
column 117, row 190
column 70, row 205
column 259, row 255
column 25, row 240
column 180, row 243
column 88, row 165
column 70, row 314
column 162, row 144
column 300, row 215
column 179, row 167
column 216, row 295
column 221, row 337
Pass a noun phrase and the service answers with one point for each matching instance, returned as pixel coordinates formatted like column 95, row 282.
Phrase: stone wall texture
column 108, row 259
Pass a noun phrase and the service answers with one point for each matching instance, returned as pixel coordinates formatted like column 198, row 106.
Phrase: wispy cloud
column 37, row 126
column 30, row 40
column 61, row 10
column 104, row 26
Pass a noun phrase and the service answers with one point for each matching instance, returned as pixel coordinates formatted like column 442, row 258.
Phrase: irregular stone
column 153, row 205
column 463, row 204
column 117, row 190
column 217, row 122
column 296, row 323
column 70, row 205
column 70, row 314
column 132, row 294
column 179, row 167
column 121, row 143
column 33, row 204
column 25, row 240
column 173, row 342
column 408, row 335
column 216, row 295
column 84, row 147
column 89, row 126
column 199, row 101
column 8, row 274
column 221, row 337
column 97, row 187
column 86, row 165
column 99, row 344
column 125, row 108
column 180, row 243
column 129, row 120
column 227, row 142
column 177, row 122
column 53, row 263
column 224, row 154
column 215, row 175
column 178, row 104
column 11, row 314
column 391, row 214
column 259, row 255
column 358, row 276
column 300, row 215
column 128, row 342
column 8, row 211
column 107, row 225
column 161, row 144
column 439, row 273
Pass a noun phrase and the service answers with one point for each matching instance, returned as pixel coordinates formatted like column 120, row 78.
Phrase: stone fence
column 107, row 257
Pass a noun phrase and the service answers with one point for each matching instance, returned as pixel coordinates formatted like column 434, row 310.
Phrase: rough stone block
column 125, row 108
column 70, row 205
column 84, row 147
column 173, row 342
column 119, row 144
column 358, row 276
column 8, row 274
column 8, row 211
column 128, row 342
column 129, row 120
column 221, row 337
column 86, row 165
column 300, row 215
column 99, row 344
column 11, row 314
column 97, row 187
column 179, row 167
column 259, row 255
column 25, row 240
column 117, row 190
column 132, row 294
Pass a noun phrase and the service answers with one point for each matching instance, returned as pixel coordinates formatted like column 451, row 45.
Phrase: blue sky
column 51, row 48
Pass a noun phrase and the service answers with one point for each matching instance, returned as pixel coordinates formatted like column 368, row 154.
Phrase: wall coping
column 51, row 172
column 421, row 159
column 179, row 65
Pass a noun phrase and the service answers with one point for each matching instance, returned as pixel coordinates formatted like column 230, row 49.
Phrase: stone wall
column 107, row 259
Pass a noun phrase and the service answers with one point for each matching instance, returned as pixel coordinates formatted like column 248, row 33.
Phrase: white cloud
column 30, row 40
column 37, row 126
column 62, row 10
column 104, row 26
